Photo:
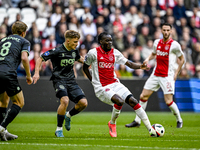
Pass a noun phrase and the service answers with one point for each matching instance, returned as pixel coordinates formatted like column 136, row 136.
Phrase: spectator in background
column 97, row 8
column 57, row 3
column 179, row 10
column 155, row 25
column 126, row 5
column 112, row 6
column 146, row 50
column 44, row 10
column 133, row 17
column 63, row 20
column 86, row 13
column 196, row 53
column 88, row 27
column 142, row 6
column 190, row 4
column 119, row 41
column 179, row 29
column 87, row 43
column 165, row 4
column 152, row 9
column 196, row 17
column 55, row 17
column 146, row 22
column 3, row 29
column 60, row 39
column 169, row 12
column 143, row 37
column 50, row 43
column 123, row 72
column 70, row 14
column 49, row 30
column 75, row 25
column 37, row 39
column 118, row 19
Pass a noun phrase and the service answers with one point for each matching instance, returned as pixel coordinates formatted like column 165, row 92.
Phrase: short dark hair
column 72, row 34
column 166, row 24
column 101, row 35
column 18, row 27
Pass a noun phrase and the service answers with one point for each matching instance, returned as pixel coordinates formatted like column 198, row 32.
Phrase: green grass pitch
column 89, row 131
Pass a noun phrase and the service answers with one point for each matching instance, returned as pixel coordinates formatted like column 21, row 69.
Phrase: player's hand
column 29, row 80
column 35, row 78
column 144, row 66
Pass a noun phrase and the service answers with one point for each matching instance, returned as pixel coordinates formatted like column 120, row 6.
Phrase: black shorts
column 70, row 89
column 9, row 84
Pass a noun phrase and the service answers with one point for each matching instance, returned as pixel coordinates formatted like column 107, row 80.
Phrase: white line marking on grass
column 103, row 146
column 105, row 139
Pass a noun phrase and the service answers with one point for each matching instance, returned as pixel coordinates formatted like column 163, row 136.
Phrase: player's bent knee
column 83, row 103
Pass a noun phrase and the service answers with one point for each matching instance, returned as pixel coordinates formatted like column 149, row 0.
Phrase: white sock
column 68, row 115
column 59, row 128
column 144, row 105
column 143, row 116
column 115, row 114
column 175, row 111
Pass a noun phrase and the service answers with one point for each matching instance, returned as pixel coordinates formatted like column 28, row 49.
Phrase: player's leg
column 143, row 102
column 174, row 108
column 80, row 106
column 4, row 101
column 130, row 100
column 118, row 103
column 64, row 101
column 18, row 103
column 77, row 96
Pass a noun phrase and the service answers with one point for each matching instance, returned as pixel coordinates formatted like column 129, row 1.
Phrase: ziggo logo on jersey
column 160, row 53
column 105, row 65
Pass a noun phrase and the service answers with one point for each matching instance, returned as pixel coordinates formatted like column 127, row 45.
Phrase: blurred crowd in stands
column 133, row 24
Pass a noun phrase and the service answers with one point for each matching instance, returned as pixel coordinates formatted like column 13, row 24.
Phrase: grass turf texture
column 90, row 131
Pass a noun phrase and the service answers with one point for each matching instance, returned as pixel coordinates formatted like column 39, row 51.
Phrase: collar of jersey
column 104, row 52
column 166, row 41
column 65, row 47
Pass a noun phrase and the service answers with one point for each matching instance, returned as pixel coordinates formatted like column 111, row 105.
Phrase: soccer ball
column 160, row 130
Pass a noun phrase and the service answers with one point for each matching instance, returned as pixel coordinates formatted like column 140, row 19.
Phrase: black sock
column 2, row 113
column 73, row 112
column 10, row 115
column 60, row 119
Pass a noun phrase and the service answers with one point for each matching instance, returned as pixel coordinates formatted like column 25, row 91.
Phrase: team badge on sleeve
column 46, row 53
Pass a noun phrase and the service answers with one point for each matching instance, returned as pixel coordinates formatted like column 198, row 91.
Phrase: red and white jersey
column 103, row 71
column 166, row 57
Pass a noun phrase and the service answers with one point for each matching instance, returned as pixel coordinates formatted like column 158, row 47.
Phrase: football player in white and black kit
column 166, row 51
column 107, row 86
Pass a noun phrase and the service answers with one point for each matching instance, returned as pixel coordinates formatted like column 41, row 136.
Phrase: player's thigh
column 4, row 100
column 12, row 86
column 18, row 99
column 121, row 90
column 152, row 83
column 167, row 84
column 75, row 93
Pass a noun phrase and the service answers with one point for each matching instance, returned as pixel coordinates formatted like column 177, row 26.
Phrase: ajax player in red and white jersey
column 166, row 51
column 106, row 86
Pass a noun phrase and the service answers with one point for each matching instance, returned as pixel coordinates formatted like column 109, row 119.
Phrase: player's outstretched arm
column 25, row 62
column 36, row 75
column 136, row 65
column 87, row 72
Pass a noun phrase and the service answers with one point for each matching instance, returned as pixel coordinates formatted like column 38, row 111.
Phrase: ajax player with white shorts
column 166, row 51
column 106, row 86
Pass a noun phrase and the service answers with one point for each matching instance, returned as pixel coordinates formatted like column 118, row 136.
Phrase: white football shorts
column 106, row 93
column 166, row 83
